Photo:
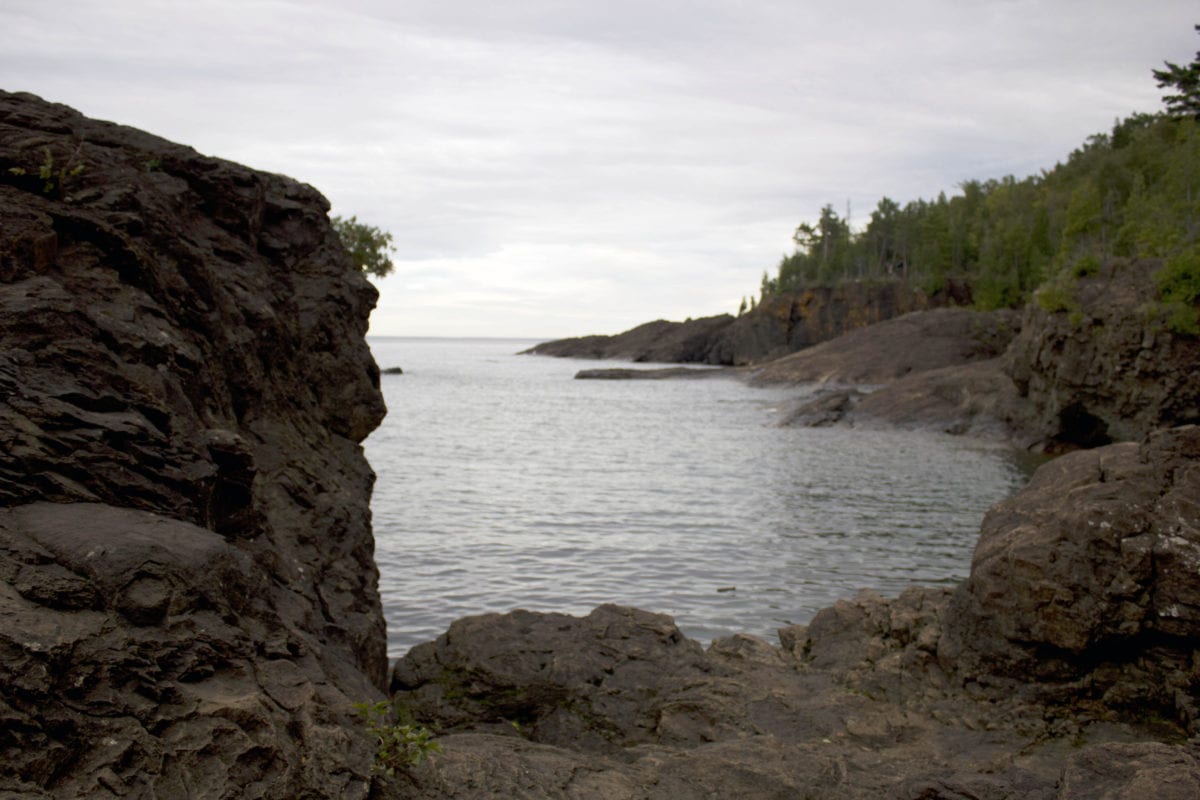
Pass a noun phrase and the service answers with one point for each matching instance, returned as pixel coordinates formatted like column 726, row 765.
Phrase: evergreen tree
column 1185, row 83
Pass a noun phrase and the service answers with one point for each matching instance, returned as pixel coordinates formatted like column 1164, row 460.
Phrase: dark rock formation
column 189, row 588
column 1089, row 577
column 1063, row 668
column 827, row 408
column 778, row 326
column 659, row 342
column 1106, row 371
column 393, row 371
column 786, row 324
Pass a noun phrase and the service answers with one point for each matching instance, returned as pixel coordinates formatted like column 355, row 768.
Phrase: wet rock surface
column 999, row 688
column 189, row 587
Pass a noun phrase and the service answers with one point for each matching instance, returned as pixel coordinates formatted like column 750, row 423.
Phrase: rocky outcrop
column 1088, row 577
column 1061, row 669
column 889, row 350
column 789, row 323
column 1104, row 369
column 658, row 342
column 185, row 545
column 779, row 325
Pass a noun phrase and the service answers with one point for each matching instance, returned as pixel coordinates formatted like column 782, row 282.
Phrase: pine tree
column 1185, row 80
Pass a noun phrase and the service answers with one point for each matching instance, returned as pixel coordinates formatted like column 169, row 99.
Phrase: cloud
column 559, row 168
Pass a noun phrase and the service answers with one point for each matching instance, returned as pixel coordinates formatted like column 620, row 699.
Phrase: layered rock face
column 185, row 542
column 788, row 323
column 891, row 349
column 1107, row 371
column 1063, row 669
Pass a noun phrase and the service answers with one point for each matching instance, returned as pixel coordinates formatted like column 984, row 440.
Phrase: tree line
column 1134, row 191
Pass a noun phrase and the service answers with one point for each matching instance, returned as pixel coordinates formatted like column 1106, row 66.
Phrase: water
column 503, row 483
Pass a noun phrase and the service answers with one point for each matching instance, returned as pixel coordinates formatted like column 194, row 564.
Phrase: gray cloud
column 557, row 168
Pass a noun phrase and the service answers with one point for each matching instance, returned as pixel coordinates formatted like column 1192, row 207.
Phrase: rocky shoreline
column 1064, row 667
column 1039, row 380
column 190, row 593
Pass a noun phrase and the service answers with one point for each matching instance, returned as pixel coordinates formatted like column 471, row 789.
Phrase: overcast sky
column 561, row 168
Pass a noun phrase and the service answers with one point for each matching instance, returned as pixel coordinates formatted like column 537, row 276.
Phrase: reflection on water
column 503, row 483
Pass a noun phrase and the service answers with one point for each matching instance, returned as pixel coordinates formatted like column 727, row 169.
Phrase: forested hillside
column 1131, row 192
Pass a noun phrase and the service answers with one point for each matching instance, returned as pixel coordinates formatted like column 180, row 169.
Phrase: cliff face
column 789, row 323
column 1106, row 370
column 780, row 325
column 185, row 540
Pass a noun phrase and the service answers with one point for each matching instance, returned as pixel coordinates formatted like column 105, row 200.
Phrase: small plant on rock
column 401, row 742
column 54, row 177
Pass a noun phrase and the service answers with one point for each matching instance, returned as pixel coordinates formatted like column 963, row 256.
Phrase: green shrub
column 1179, row 287
column 1057, row 295
column 367, row 245
column 1085, row 266
column 400, row 742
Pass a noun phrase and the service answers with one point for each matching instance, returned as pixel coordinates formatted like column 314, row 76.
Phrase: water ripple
column 503, row 483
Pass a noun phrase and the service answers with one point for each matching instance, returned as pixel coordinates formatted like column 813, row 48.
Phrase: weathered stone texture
column 186, row 543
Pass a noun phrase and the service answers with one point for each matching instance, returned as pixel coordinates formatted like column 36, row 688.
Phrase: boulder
column 1089, row 574
column 189, row 586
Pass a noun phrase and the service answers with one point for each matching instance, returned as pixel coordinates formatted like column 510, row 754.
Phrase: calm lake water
column 504, row 483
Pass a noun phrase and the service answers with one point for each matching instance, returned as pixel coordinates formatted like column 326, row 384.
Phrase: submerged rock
column 189, row 589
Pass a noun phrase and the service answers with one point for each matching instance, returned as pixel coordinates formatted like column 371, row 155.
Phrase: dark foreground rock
column 1064, row 668
column 189, row 594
